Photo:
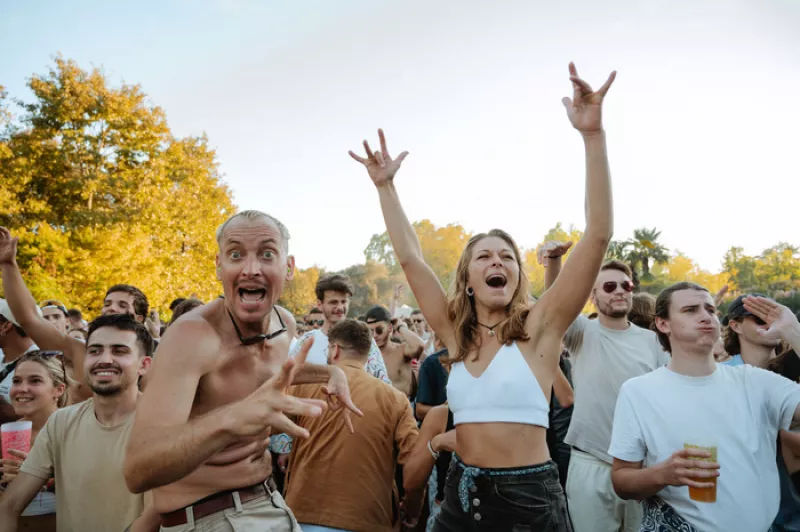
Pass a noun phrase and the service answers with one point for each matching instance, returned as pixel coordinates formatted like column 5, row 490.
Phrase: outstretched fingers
column 382, row 139
column 303, row 354
column 357, row 158
column 607, row 85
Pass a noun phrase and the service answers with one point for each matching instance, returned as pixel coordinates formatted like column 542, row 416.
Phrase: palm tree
column 644, row 247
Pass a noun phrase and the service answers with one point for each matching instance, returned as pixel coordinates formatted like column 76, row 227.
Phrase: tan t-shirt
column 85, row 458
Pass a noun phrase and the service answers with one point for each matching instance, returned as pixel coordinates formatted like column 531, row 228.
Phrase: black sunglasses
column 315, row 322
column 263, row 337
column 610, row 286
column 419, row 320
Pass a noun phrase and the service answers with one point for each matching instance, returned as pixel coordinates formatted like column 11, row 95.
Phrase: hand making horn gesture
column 380, row 165
column 585, row 108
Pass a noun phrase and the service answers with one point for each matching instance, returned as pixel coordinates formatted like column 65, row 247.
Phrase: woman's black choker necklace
column 491, row 329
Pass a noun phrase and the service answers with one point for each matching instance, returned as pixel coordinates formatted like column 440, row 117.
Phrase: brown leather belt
column 217, row 503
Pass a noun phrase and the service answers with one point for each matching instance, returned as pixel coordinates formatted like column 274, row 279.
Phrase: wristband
column 433, row 453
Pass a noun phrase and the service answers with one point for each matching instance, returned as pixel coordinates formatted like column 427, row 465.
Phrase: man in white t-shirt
column 693, row 401
column 605, row 353
column 14, row 343
column 333, row 293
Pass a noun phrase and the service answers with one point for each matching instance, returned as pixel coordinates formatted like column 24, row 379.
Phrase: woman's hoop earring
column 470, row 291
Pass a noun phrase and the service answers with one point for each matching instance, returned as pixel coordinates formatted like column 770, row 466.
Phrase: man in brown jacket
column 340, row 480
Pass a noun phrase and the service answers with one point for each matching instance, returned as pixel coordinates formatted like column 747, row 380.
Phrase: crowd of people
column 486, row 409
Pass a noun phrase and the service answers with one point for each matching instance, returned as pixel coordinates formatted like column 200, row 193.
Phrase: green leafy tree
column 101, row 192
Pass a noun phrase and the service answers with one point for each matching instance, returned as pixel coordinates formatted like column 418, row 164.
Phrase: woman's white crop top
column 506, row 392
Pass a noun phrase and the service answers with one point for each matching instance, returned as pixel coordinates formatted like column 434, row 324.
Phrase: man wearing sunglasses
column 315, row 319
column 741, row 338
column 398, row 357
column 218, row 391
column 605, row 353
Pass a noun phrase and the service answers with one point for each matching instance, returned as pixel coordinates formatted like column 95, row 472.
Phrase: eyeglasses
column 263, row 337
column 315, row 322
column 610, row 286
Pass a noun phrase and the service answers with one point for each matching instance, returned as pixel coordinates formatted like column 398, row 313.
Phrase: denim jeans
column 503, row 500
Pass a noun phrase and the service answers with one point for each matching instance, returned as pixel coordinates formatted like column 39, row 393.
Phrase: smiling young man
column 605, row 352
column 217, row 393
column 119, row 299
column 732, row 413
column 83, row 446
column 333, row 299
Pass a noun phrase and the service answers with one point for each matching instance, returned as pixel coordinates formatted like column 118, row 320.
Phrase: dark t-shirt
column 432, row 387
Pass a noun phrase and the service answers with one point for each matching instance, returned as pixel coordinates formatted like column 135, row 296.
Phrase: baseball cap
column 376, row 314
column 5, row 311
column 737, row 310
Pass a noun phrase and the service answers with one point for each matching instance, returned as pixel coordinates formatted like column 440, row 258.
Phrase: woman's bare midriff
column 493, row 445
column 208, row 480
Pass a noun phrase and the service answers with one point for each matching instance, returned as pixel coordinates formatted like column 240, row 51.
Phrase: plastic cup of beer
column 16, row 436
column 704, row 494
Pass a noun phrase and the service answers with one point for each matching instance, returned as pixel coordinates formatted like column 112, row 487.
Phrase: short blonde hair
column 255, row 215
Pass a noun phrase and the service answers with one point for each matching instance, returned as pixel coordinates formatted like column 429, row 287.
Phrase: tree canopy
column 100, row 192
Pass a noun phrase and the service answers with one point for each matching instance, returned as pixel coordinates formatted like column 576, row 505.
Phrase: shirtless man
column 217, row 392
column 398, row 357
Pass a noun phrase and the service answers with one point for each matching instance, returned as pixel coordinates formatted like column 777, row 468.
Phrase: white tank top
column 506, row 392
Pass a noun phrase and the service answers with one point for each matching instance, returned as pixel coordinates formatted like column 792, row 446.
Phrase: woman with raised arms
column 504, row 351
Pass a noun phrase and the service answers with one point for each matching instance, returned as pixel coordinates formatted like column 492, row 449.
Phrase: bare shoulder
column 193, row 339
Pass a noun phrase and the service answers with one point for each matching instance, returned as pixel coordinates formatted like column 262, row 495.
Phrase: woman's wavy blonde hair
column 461, row 306
column 55, row 367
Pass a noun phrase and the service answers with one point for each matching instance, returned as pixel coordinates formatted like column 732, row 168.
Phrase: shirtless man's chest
column 398, row 367
column 233, row 375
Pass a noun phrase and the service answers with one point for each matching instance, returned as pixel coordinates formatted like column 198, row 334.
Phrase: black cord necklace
column 491, row 329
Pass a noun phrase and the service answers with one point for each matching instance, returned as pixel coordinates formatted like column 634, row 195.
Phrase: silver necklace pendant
column 491, row 332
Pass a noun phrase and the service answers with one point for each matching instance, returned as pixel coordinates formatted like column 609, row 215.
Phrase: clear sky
column 703, row 121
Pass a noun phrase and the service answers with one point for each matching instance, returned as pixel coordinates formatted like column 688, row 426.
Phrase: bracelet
column 411, row 524
column 433, row 453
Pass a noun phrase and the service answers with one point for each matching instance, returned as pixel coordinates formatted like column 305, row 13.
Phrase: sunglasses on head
column 32, row 355
column 610, row 286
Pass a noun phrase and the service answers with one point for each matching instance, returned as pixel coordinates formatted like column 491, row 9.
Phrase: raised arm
column 561, row 304
column 165, row 445
column 550, row 255
column 424, row 284
column 414, row 345
column 26, row 312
